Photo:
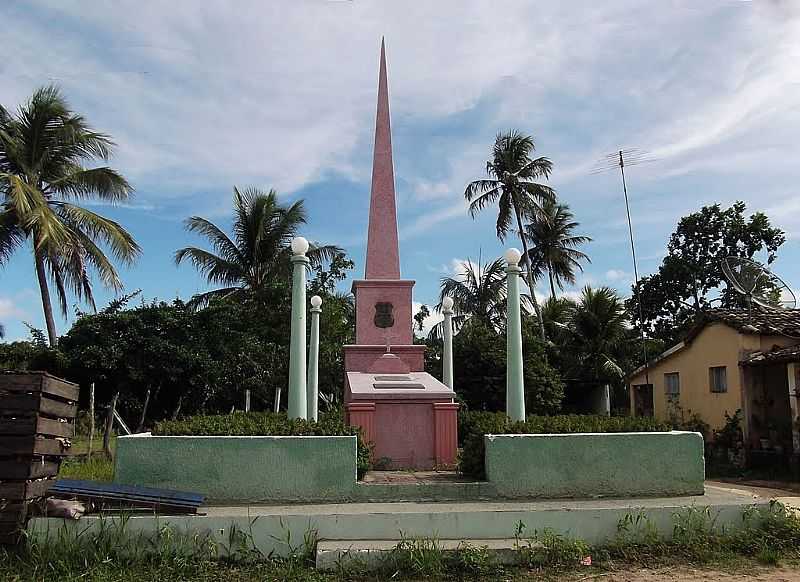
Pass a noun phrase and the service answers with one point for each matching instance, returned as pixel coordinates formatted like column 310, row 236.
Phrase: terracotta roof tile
column 789, row 354
column 758, row 320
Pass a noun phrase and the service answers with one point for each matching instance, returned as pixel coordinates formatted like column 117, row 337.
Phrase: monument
column 407, row 414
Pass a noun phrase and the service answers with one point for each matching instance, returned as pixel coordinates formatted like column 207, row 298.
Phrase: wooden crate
column 34, row 424
column 25, row 468
column 33, row 445
column 25, row 489
column 39, row 383
column 12, row 521
column 37, row 417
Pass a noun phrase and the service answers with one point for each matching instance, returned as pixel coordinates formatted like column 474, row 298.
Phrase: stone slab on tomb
column 410, row 386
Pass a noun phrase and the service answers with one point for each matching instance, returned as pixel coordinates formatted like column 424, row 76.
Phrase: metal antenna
column 621, row 158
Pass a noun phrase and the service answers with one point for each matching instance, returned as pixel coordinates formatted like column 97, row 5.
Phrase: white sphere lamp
column 447, row 303
column 316, row 302
column 512, row 256
column 299, row 245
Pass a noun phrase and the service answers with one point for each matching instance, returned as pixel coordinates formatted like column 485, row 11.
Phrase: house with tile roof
column 732, row 359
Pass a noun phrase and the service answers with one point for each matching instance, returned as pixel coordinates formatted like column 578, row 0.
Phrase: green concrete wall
column 596, row 465
column 252, row 469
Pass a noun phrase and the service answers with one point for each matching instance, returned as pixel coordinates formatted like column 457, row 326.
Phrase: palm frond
column 216, row 269
column 102, row 183
column 12, row 236
column 95, row 226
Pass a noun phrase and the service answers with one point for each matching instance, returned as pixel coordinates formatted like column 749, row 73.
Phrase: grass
column 767, row 537
column 98, row 468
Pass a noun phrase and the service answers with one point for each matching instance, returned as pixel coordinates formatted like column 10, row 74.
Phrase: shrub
column 474, row 425
column 479, row 355
column 266, row 424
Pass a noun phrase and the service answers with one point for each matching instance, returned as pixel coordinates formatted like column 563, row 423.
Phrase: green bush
column 266, row 424
column 474, row 425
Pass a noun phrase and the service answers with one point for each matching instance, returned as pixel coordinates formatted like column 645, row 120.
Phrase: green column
column 447, row 352
column 297, row 354
column 313, row 360
column 515, row 384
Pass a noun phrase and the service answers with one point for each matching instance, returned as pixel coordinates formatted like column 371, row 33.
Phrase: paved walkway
column 786, row 493
column 414, row 477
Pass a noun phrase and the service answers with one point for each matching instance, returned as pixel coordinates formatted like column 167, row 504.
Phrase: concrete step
column 369, row 554
column 281, row 529
column 426, row 491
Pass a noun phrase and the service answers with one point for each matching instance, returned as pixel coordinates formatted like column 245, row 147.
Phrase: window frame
column 711, row 377
column 676, row 395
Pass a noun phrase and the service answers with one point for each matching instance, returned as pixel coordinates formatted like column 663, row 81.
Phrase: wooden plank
column 13, row 512
column 32, row 445
column 29, row 469
column 17, row 382
column 61, row 388
column 22, row 402
column 17, row 490
column 10, row 535
column 40, row 382
column 29, row 425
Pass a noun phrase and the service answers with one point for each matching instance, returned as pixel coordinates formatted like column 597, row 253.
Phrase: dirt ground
column 781, row 574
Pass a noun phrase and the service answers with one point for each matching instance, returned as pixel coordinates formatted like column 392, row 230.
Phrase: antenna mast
column 621, row 158
column 635, row 268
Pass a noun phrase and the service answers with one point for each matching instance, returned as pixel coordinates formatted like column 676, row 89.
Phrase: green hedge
column 265, row 424
column 474, row 425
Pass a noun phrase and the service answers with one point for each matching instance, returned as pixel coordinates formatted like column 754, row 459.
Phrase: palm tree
column 478, row 292
column 511, row 184
column 43, row 149
column 258, row 254
column 553, row 246
column 598, row 332
column 557, row 313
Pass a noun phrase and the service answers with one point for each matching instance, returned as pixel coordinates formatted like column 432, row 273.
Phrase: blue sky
column 202, row 96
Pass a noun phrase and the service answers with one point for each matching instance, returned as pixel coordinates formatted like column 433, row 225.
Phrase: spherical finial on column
column 447, row 303
column 512, row 256
column 299, row 245
column 316, row 302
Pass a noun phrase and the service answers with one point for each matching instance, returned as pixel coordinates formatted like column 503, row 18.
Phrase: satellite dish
column 758, row 284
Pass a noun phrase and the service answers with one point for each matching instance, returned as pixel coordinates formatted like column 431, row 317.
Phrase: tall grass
column 112, row 551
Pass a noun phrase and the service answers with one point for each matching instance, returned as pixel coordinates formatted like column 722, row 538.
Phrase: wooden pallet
column 37, row 417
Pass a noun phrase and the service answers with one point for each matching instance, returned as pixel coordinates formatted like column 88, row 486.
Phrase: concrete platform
column 282, row 529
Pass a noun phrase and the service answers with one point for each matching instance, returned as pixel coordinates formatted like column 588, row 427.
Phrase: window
column 718, row 378
column 672, row 386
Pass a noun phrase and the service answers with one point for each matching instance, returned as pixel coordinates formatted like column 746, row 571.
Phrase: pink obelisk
column 383, row 300
column 383, row 256
column 407, row 415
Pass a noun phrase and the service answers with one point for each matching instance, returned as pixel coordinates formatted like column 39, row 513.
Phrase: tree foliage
column 690, row 277
column 554, row 247
column 512, row 185
column 479, row 362
column 257, row 257
column 43, row 151
column 478, row 291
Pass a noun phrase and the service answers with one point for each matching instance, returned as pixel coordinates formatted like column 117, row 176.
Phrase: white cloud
column 9, row 309
column 283, row 94
column 618, row 275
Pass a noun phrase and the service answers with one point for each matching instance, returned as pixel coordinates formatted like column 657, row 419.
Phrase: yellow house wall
column 716, row 345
